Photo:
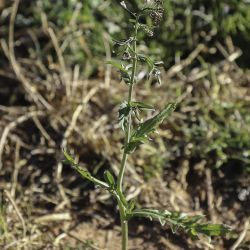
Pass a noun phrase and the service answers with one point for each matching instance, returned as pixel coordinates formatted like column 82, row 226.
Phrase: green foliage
column 176, row 220
column 134, row 137
column 222, row 133
column 182, row 221
column 186, row 23
column 134, row 108
column 84, row 173
column 109, row 178
column 140, row 135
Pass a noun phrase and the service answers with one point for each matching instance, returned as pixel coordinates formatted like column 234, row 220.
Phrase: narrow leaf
column 117, row 65
column 148, row 60
column 131, row 205
column 123, row 42
column 69, row 159
column 141, row 105
column 212, row 229
column 109, row 179
column 148, row 126
column 134, row 143
column 83, row 172
column 140, row 135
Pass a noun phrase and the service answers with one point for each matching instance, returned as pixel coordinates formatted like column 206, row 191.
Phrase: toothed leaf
column 140, row 135
column 182, row 221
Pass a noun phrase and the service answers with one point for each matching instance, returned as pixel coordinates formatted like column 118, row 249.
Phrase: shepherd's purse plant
column 137, row 133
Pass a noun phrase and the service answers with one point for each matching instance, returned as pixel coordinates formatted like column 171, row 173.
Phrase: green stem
column 124, row 225
column 122, row 202
column 125, row 156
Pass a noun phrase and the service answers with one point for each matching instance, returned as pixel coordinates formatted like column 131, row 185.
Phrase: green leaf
column 83, row 172
column 212, row 229
column 148, row 60
column 123, row 115
column 149, row 126
column 123, row 42
column 159, row 64
column 69, row 159
column 134, row 143
column 124, row 71
column 131, row 205
column 182, row 221
column 132, row 20
column 110, row 180
column 117, row 65
column 141, row 106
column 140, row 135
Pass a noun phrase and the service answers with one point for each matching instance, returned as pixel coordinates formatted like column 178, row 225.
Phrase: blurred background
column 56, row 91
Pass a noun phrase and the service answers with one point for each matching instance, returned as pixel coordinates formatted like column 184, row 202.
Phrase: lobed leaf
column 182, row 221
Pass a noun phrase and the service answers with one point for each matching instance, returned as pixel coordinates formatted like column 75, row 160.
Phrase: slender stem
column 124, row 225
column 122, row 202
column 125, row 156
